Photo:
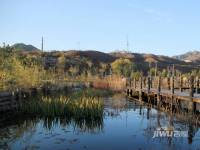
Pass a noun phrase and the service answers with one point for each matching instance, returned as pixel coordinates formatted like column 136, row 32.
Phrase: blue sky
column 153, row 26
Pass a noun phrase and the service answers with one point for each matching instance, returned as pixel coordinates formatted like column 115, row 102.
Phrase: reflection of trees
column 23, row 128
column 116, row 104
column 91, row 125
column 15, row 129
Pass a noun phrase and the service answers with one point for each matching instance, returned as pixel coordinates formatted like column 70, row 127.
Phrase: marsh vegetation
column 80, row 104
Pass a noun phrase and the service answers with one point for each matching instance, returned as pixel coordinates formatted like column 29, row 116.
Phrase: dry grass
column 115, row 83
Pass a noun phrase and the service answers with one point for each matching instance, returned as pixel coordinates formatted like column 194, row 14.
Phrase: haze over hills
column 191, row 56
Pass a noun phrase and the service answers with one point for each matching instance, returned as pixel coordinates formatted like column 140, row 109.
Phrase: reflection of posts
column 148, row 112
column 158, row 119
column 170, row 127
column 190, row 134
column 140, row 90
column 140, row 112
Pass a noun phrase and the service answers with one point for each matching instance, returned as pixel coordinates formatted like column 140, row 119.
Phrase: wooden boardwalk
column 166, row 91
column 177, row 94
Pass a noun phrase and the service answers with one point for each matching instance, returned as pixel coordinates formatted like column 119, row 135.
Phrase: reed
column 82, row 107
column 114, row 82
column 91, row 92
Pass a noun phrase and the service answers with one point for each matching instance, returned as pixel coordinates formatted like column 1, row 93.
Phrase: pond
column 126, row 124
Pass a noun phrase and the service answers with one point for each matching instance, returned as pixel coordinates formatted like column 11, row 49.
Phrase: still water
column 126, row 124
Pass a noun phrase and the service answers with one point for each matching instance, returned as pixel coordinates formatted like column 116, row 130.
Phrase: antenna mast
column 42, row 46
column 127, row 43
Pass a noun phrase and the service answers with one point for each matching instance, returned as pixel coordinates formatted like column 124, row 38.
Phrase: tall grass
column 114, row 82
column 91, row 92
column 83, row 107
column 77, row 104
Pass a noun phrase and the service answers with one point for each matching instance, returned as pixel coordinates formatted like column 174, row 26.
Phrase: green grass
column 90, row 92
column 83, row 107
column 81, row 104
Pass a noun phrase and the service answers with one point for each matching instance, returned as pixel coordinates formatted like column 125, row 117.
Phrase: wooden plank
column 177, row 94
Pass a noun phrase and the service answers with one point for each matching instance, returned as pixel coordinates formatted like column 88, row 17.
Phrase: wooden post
column 191, row 86
column 151, row 85
column 168, row 83
column 168, row 78
column 148, row 84
column 172, row 81
column 159, row 84
column 172, row 89
column 131, row 93
column 140, row 89
column 173, row 70
column 159, row 89
column 181, row 83
column 191, row 105
column 135, row 84
column 172, row 85
column 197, row 85
column 156, row 69
column 127, row 92
column 144, row 82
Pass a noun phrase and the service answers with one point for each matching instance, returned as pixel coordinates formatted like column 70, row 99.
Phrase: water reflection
column 93, row 125
column 125, row 124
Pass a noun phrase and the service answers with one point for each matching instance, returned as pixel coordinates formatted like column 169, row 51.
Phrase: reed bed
column 84, row 107
column 91, row 92
column 115, row 83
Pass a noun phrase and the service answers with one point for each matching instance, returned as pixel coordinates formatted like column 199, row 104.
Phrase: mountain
column 24, row 47
column 142, row 61
column 93, row 55
column 192, row 56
